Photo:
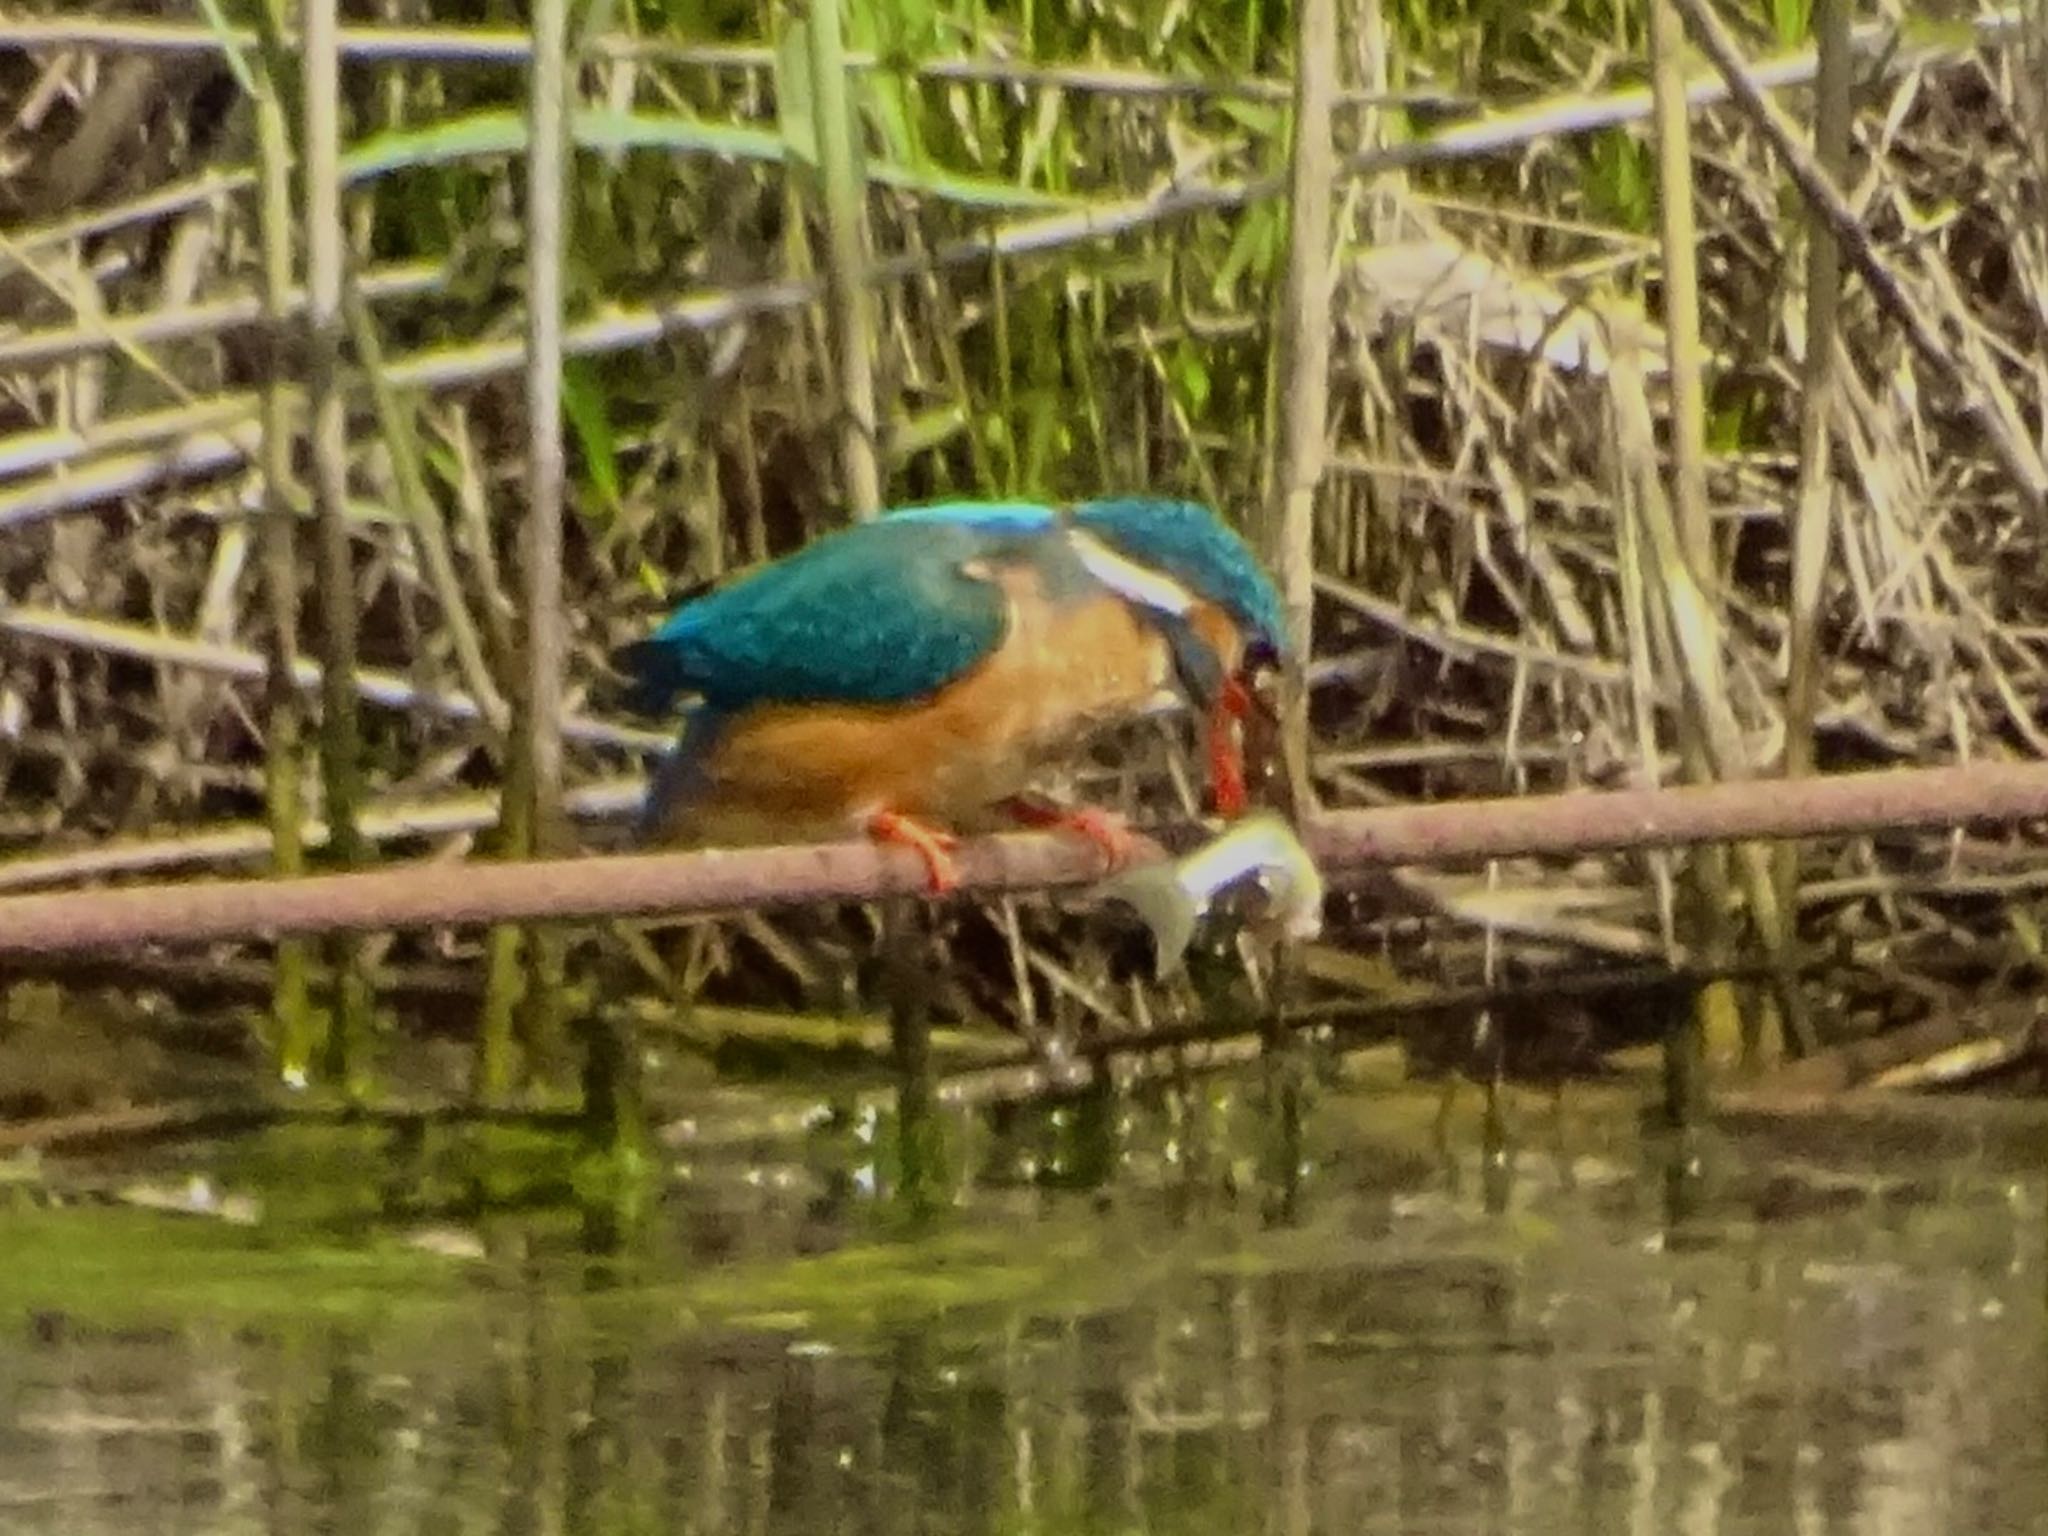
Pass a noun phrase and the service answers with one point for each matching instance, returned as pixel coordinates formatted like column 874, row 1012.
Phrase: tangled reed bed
column 1074, row 265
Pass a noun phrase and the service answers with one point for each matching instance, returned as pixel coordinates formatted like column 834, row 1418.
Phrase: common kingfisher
column 911, row 674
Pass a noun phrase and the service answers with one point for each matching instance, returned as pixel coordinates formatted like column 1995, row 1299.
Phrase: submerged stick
column 715, row 880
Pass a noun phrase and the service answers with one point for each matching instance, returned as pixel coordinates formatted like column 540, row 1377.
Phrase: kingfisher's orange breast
column 805, row 771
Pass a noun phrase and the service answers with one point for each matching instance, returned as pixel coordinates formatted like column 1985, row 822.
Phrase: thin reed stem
column 1813, row 512
column 284, row 709
column 846, row 275
column 1301, row 363
column 340, row 721
column 547, row 492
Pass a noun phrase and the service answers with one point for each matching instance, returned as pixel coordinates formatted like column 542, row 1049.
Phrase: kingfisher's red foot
column 934, row 846
column 1105, row 829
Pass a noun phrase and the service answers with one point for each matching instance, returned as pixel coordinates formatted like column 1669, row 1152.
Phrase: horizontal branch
column 248, row 842
column 211, row 319
column 717, row 880
column 374, row 685
column 504, row 45
column 1463, row 643
column 97, row 481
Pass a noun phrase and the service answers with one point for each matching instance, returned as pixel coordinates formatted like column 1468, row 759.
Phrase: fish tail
column 1163, row 904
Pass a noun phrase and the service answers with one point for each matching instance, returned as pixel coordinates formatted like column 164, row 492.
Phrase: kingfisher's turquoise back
column 884, row 613
column 878, row 613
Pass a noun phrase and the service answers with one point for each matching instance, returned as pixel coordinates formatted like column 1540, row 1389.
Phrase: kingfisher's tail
column 680, row 777
column 654, row 676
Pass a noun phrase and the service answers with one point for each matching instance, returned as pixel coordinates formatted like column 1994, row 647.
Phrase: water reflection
column 1543, row 1340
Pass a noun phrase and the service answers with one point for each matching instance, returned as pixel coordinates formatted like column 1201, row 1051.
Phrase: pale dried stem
column 1301, row 370
column 846, row 260
column 283, row 715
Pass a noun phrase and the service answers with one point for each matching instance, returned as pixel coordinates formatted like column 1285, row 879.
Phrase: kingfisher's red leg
column 933, row 845
column 1105, row 829
column 1226, row 752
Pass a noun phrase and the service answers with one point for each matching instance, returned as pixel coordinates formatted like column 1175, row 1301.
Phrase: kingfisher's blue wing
column 881, row 613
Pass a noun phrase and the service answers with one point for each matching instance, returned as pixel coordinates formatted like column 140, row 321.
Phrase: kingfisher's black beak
column 1199, row 669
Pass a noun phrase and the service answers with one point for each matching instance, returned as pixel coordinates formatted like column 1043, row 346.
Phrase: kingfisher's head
column 1212, row 599
column 1180, row 558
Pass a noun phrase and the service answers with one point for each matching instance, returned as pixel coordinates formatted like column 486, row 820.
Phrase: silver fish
column 1171, row 898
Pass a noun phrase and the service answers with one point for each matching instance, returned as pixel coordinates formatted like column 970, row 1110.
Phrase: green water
column 1234, row 1307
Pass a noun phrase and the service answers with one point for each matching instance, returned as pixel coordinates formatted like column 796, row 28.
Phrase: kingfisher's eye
column 1261, row 656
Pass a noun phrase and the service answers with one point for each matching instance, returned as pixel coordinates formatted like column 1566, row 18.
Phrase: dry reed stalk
column 1299, row 424
column 423, row 519
column 377, row 686
column 835, row 130
column 547, row 499
column 505, row 45
column 1709, row 1035
column 1813, row 509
